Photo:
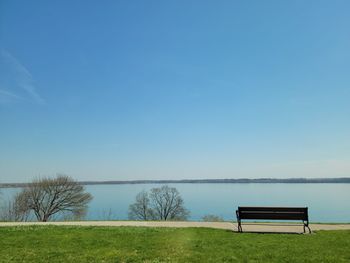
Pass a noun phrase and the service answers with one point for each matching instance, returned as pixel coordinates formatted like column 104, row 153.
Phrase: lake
column 326, row 202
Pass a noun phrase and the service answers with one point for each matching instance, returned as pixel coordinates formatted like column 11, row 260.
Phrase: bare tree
column 164, row 203
column 50, row 196
column 15, row 210
column 140, row 210
column 2, row 208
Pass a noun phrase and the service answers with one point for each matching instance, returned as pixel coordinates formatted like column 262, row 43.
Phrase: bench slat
column 273, row 216
column 274, row 209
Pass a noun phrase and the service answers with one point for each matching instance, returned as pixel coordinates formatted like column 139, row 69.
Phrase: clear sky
column 122, row 90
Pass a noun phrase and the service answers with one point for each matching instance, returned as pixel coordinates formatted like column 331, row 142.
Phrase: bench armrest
column 237, row 215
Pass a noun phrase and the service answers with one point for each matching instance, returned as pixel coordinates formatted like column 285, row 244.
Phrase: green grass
column 138, row 244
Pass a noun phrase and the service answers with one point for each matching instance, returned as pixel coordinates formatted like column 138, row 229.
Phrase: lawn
column 139, row 244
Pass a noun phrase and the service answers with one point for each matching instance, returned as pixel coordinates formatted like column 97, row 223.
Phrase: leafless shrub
column 212, row 218
column 15, row 210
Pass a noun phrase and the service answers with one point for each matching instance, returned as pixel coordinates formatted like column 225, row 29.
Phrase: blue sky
column 124, row 90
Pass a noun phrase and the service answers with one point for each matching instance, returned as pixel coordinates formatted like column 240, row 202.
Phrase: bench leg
column 240, row 227
column 306, row 225
column 308, row 228
column 239, row 222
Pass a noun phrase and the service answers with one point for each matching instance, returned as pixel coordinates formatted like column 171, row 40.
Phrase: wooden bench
column 272, row 213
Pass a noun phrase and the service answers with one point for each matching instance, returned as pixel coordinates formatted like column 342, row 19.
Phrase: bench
column 272, row 213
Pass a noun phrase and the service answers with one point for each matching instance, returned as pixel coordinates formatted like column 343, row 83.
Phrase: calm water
column 326, row 202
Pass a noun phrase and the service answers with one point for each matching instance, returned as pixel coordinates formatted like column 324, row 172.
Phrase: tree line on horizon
column 342, row 180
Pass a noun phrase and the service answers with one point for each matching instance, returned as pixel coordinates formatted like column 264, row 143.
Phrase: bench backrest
column 273, row 213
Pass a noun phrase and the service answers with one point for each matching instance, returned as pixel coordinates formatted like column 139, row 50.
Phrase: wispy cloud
column 20, row 78
column 8, row 94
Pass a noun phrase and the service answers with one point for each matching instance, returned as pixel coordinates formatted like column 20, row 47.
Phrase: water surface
column 326, row 202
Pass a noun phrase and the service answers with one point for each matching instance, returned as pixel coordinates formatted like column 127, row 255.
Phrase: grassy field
column 138, row 244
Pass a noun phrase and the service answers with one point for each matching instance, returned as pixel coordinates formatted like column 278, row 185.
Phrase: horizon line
column 223, row 180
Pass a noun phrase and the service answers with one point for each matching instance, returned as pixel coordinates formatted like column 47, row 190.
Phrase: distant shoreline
column 341, row 180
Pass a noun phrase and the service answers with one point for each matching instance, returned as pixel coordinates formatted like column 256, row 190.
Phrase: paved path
column 248, row 227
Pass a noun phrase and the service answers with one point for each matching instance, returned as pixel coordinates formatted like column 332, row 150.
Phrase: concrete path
column 247, row 227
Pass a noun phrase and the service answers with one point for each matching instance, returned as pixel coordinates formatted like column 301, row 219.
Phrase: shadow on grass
column 271, row 232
